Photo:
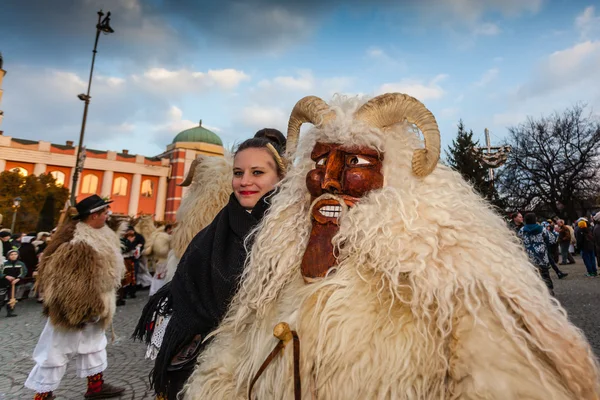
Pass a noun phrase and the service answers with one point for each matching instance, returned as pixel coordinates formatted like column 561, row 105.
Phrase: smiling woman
column 254, row 175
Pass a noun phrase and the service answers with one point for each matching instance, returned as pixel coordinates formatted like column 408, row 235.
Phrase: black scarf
column 206, row 280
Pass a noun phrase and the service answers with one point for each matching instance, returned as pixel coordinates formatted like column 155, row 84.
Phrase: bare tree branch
column 554, row 165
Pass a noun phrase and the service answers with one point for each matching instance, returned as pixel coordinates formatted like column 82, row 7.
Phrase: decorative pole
column 103, row 25
column 492, row 157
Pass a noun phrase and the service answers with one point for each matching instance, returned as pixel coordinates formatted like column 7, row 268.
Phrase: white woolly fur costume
column 80, row 273
column 432, row 296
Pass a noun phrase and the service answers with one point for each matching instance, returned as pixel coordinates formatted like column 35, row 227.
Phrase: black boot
column 132, row 289
column 562, row 275
column 10, row 312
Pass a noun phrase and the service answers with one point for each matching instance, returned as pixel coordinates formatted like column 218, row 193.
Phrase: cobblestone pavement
column 127, row 366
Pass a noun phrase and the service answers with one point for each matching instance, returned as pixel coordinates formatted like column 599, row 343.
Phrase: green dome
column 198, row 134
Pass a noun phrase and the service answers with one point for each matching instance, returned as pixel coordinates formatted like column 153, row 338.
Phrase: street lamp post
column 103, row 25
column 16, row 205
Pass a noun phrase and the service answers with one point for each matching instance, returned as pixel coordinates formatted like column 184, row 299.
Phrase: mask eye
column 321, row 162
column 357, row 160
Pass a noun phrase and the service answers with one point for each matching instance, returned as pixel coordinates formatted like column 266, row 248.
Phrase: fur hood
column 80, row 273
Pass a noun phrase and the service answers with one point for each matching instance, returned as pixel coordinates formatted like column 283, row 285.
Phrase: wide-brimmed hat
column 90, row 205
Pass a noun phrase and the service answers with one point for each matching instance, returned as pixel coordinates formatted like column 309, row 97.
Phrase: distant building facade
column 137, row 184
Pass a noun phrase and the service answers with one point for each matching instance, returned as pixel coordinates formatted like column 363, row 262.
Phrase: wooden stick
column 12, row 300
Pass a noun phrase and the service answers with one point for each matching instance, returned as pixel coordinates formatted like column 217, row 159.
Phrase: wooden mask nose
column 333, row 173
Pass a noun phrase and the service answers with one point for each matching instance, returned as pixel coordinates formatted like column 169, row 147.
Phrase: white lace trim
column 157, row 337
column 92, row 371
column 42, row 387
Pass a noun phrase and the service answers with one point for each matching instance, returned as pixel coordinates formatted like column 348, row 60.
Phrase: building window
column 120, row 187
column 20, row 170
column 147, row 188
column 89, row 185
column 59, row 177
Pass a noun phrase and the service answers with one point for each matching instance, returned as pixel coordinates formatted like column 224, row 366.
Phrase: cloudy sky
column 241, row 65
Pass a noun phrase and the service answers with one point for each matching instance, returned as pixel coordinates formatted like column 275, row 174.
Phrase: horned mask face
column 343, row 174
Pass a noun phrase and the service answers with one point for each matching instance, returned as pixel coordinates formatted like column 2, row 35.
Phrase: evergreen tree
column 460, row 157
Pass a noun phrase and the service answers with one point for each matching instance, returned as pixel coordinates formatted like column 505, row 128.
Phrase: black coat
column 585, row 240
column 596, row 234
column 130, row 245
column 206, row 280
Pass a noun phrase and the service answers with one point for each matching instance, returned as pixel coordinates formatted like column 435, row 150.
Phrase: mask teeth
column 331, row 211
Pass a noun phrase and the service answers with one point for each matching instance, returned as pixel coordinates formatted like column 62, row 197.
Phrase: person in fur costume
column 368, row 255
column 80, row 273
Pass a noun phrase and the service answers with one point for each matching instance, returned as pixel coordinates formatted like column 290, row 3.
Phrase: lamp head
column 104, row 26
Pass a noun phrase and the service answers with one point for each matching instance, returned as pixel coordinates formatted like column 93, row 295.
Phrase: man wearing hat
column 11, row 272
column 80, row 273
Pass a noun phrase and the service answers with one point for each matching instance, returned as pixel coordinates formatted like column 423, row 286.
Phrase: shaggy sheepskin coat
column 157, row 248
column 80, row 272
column 420, row 307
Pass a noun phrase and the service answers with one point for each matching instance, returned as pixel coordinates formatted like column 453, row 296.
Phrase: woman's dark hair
column 530, row 218
column 262, row 138
column 260, row 141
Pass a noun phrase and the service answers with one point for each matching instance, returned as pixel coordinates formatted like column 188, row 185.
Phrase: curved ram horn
column 391, row 108
column 308, row 109
column 190, row 176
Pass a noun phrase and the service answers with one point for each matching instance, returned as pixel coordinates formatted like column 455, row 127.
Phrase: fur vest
column 80, row 274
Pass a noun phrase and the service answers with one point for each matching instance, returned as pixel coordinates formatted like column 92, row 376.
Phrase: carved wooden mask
column 348, row 173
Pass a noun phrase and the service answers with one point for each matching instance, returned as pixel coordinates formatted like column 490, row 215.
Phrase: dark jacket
column 585, row 239
column 596, row 235
column 16, row 269
column 130, row 245
column 28, row 255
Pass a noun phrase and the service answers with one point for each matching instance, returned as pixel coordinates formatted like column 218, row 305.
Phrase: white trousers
column 56, row 347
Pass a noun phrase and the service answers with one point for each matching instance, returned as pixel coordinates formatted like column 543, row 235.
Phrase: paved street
column 126, row 364
column 128, row 368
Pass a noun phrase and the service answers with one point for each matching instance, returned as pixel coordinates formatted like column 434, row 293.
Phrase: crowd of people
column 19, row 261
column 22, row 252
column 362, row 249
column 545, row 241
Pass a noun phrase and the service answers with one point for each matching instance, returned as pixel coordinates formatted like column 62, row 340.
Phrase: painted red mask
column 348, row 173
